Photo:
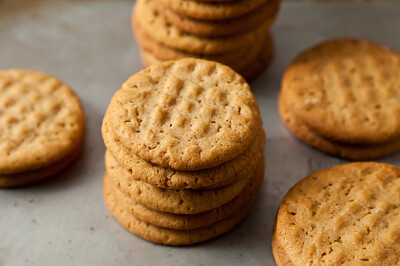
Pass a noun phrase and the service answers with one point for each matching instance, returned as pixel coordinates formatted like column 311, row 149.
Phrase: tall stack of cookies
column 234, row 33
column 185, row 147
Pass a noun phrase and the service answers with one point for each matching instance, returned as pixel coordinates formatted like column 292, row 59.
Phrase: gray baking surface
column 89, row 45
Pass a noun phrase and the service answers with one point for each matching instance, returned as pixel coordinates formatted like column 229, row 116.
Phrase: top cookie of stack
column 235, row 33
column 187, row 115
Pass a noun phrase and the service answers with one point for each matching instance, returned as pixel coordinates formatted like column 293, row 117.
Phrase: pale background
column 89, row 45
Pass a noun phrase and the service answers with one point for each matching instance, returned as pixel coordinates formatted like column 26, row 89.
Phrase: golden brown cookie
column 170, row 236
column 189, row 222
column 247, row 22
column 345, row 90
column 212, row 11
column 223, row 175
column 146, row 17
column 189, row 114
column 41, row 126
column 347, row 151
column 183, row 201
column 348, row 214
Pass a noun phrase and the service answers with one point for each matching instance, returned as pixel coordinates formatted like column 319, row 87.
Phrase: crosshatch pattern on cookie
column 346, row 90
column 189, row 114
column 41, row 121
column 347, row 214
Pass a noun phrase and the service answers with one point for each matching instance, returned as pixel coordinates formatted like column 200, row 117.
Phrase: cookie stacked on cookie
column 41, row 127
column 235, row 33
column 185, row 147
column 342, row 97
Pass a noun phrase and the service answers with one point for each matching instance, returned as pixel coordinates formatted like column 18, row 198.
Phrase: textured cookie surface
column 348, row 214
column 163, row 177
column 169, row 236
column 266, row 12
column 147, row 18
column 183, row 201
column 189, row 114
column 347, row 151
column 194, row 221
column 212, row 11
column 41, row 121
column 346, row 90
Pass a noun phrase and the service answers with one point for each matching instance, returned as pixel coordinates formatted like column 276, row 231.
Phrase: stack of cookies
column 342, row 97
column 41, row 127
column 185, row 146
column 346, row 215
column 234, row 32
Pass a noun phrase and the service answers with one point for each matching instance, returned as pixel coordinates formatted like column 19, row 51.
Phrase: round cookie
column 348, row 214
column 189, row 114
column 223, row 175
column 146, row 17
column 212, row 11
column 347, row 151
column 41, row 122
column 265, row 13
column 183, row 201
column 190, row 222
column 345, row 90
column 170, row 236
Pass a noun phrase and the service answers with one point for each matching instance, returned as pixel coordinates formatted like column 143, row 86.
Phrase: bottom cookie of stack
column 180, row 229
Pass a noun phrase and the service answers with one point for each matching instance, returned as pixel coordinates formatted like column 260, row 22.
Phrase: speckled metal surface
column 89, row 45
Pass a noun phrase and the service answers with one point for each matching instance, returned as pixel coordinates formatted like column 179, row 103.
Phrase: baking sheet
column 89, row 45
